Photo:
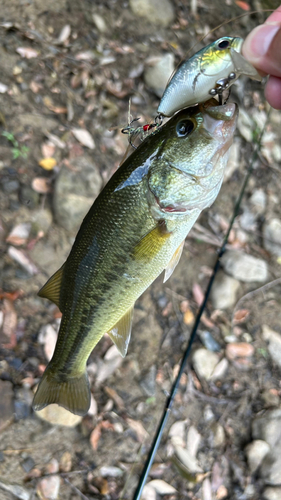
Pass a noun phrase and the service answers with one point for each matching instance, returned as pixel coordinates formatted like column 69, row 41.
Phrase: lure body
column 208, row 72
column 134, row 230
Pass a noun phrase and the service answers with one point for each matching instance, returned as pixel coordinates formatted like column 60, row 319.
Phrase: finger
column 275, row 17
column 262, row 47
column 273, row 92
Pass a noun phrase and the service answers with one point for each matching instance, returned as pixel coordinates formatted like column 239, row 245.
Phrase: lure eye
column 223, row 44
column 184, row 128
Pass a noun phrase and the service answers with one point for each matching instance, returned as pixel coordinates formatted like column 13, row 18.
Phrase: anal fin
column 173, row 262
column 51, row 289
column 120, row 334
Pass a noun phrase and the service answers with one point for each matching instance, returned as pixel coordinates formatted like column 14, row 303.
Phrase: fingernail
column 262, row 37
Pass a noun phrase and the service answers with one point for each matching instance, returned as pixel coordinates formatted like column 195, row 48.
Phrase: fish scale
column 134, row 230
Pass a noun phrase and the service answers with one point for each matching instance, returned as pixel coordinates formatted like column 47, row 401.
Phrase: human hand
column 262, row 48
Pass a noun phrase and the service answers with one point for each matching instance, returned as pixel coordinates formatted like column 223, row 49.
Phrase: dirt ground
column 74, row 65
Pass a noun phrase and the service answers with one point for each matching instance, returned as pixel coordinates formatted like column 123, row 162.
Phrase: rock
column 270, row 398
column 258, row 201
column 255, row 453
column 204, row 363
column 247, row 220
column 177, row 433
column 224, row 291
column 157, row 76
column 36, row 122
column 272, row 493
column 274, row 343
column 272, row 236
column 217, row 435
column 6, row 401
column 268, row 427
column 239, row 350
column 208, row 341
column 42, row 220
column 186, row 460
column 75, row 192
column 29, row 197
column 15, row 490
column 193, row 440
column 148, row 381
column 160, row 12
column 244, row 267
column 57, row 415
column 161, row 487
column 270, row 469
column 220, row 370
column 110, row 470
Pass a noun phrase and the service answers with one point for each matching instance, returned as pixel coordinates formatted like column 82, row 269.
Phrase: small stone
column 187, row 460
column 224, row 291
column 148, row 381
column 48, row 487
column 57, row 415
column 204, row 363
column 272, row 236
column 270, row 469
column 255, row 453
column 258, row 201
column 274, row 343
column 29, row 197
column 239, row 350
column 244, row 267
column 271, row 493
column 6, row 401
column 110, row 470
column 66, row 462
column 193, row 440
column 28, row 464
column 270, row 398
column 42, row 220
column 75, row 192
column 268, row 427
column 209, row 342
column 159, row 12
column 157, row 76
column 177, row 432
column 99, row 22
column 217, row 435
column 220, row 370
column 10, row 186
column 161, row 487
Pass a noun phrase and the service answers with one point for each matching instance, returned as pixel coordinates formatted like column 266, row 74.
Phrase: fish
column 208, row 72
column 134, row 230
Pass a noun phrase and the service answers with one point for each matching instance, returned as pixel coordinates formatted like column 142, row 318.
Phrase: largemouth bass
column 134, row 230
column 208, row 72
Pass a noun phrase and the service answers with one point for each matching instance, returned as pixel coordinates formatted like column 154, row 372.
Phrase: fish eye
column 184, row 127
column 223, row 44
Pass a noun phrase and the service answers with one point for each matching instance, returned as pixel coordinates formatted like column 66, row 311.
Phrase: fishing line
column 169, row 401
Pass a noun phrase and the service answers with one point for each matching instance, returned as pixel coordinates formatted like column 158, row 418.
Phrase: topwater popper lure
column 135, row 230
column 207, row 73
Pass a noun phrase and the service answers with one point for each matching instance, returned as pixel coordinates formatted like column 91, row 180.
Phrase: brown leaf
column 41, row 185
column 137, row 426
column 10, row 321
column 48, row 149
column 241, row 315
column 23, row 259
column 116, row 398
column 95, row 437
column 239, row 350
column 197, row 294
column 188, row 317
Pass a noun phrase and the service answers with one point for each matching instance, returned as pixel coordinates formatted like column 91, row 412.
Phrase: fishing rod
column 170, row 399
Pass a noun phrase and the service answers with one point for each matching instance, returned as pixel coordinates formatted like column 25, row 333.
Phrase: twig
column 74, row 488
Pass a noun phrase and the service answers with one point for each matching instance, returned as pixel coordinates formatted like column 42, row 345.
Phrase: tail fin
column 73, row 393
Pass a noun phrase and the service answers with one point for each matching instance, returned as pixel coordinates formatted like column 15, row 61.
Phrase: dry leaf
column 197, row 294
column 55, row 140
column 48, row 149
column 66, row 462
column 21, row 258
column 188, row 317
column 41, row 185
column 240, row 315
column 140, row 431
column 95, row 436
column 9, row 322
column 93, row 410
column 161, row 487
column 64, row 34
column 19, row 234
column 48, row 163
column 243, row 5
column 27, row 52
column 239, row 350
column 84, row 137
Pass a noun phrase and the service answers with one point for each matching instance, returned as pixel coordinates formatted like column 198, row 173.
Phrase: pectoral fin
column 150, row 245
column 51, row 290
column 243, row 66
column 120, row 334
column 173, row 262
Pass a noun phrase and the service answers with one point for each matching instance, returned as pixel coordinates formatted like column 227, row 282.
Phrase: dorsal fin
column 51, row 289
column 120, row 334
column 173, row 262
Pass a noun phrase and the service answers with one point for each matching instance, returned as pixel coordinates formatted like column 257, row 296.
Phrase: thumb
column 262, row 48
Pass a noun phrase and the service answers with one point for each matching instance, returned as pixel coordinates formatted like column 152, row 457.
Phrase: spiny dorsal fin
column 120, row 334
column 51, row 290
column 173, row 262
column 242, row 66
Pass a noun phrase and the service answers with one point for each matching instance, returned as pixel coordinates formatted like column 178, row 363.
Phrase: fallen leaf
column 239, row 350
column 48, row 163
column 84, row 137
column 66, row 462
column 188, row 317
column 27, row 52
column 140, row 431
column 95, row 436
column 64, row 34
column 116, row 398
column 19, row 234
column 21, row 258
column 48, row 149
column 93, row 410
column 197, row 294
column 10, row 321
column 243, row 5
column 161, row 487
column 240, row 315
column 41, row 185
